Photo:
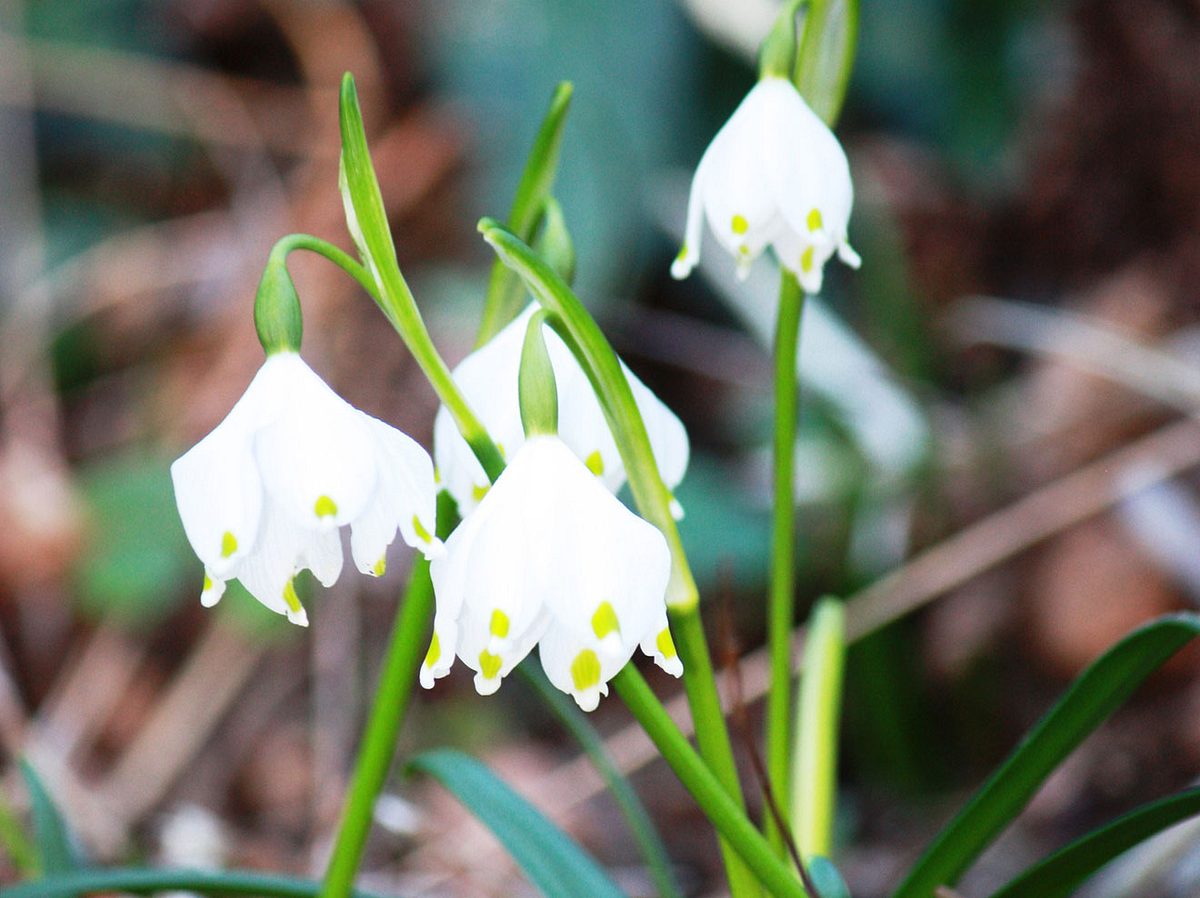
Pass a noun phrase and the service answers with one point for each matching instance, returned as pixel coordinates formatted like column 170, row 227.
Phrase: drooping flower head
column 773, row 176
column 550, row 557
column 263, row 496
column 488, row 381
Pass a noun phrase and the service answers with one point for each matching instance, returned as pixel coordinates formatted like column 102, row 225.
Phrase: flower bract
column 488, row 380
column 263, row 496
column 773, row 176
column 550, row 558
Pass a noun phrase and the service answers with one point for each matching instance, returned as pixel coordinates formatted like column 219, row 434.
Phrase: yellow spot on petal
column 208, row 584
column 380, row 567
column 478, row 492
column 595, row 463
column 435, row 651
column 325, row 507
column 806, row 260
column 500, row 449
column 815, row 222
column 665, row 644
column 229, row 544
column 604, row 621
column 585, row 670
column 744, row 250
column 489, row 664
column 291, row 599
column 683, row 252
column 739, row 224
column 437, row 475
column 499, row 625
column 419, row 529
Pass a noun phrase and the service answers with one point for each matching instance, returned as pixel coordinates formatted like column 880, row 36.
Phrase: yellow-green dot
column 500, row 449
column 228, row 544
column 499, row 625
column 437, row 475
column 595, row 463
column 380, row 567
column 806, row 260
column 815, row 222
column 585, row 670
column 291, row 599
column 665, row 644
column 683, row 251
column 325, row 507
column 419, row 530
column 604, row 621
column 208, row 584
column 739, row 224
column 435, row 651
column 744, row 250
column 489, row 664
column 478, row 492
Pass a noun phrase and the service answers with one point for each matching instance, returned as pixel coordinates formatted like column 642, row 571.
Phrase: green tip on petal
column 229, row 544
column 489, row 664
column 604, row 621
column 739, row 225
column 665, row 644
column 435, row 651
column 478, row 492
column 815, row 222
column 208, row 584
column 419, row 529
column 380, row 567
column 325, row 507
column 499, row 624
column 585, row 670
column 595, row 463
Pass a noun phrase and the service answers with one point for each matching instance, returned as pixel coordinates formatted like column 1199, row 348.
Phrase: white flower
column 488, row 380
column 263, row 495
column 773, row 176
column 551, row 557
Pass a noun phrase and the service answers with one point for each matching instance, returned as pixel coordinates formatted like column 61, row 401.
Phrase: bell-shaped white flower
column 488, row 379
column 551, row 557
column 263, row 496
column 773, row 176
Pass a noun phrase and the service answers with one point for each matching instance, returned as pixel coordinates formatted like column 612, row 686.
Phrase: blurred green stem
column 780, row 612
column 141, row 881
column 726, row 815
column 396, row 678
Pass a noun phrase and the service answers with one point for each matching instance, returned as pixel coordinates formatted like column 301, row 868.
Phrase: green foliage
column 135, row 554
column 826, row 56
column 1094, row 695
column 56, row 847
column 552, row 861
column 1064, row 871
column 827, row 879
column 142, row 881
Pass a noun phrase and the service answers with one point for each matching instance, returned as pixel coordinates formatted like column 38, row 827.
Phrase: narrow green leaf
column 554, row 243
column 552, row 861
column 826, row 878
column 142, row 881
column 504, row 291
column 1094, row 695
column 826, row 56
column 1063, row 872
column 56, row 848
column 649, row 842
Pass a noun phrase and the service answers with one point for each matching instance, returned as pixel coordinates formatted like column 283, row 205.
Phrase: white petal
column 658, row 644
column 322, row 554
column 575, row 666
column 689, row 253
column 317, row 457
column 218, row 489
column 407, row 476
column 213, row 589
column 371, row 533
column 267, row 573
column 440, row 656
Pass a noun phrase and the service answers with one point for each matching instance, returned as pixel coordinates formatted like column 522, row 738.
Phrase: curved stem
column 780, row 611
column 140, row 881
column 726, row 815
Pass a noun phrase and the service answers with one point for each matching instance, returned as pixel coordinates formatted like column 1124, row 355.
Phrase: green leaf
column 649, row 842
column 1094, row 695
column 142, row 881
column 56, row 848
column 826, row 56
column 552, row 861
column 554, row 243
column 1064, row 871
column 504, row 291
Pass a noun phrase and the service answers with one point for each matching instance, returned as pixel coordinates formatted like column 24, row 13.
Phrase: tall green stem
column 400, row 665
column 780, row 611
column 726, row 815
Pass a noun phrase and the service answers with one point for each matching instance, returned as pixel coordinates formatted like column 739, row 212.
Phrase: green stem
column 780, row 611
column 650, row 844
column 396, row 678
column 140, row 881
column 339, row 257
column 726, row 815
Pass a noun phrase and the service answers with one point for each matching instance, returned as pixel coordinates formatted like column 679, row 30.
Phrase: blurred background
column 997, row 458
